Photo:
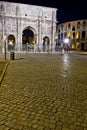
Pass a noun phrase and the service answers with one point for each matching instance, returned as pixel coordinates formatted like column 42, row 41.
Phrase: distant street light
column 66, row 40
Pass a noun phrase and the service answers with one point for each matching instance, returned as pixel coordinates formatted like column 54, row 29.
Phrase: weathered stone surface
column 16, row 17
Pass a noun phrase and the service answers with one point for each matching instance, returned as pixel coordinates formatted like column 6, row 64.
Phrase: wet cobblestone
column 44, row 92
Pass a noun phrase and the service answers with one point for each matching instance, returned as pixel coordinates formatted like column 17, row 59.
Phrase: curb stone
column 79, row 53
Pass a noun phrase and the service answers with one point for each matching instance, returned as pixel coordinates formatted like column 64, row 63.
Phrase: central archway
column 28, row 39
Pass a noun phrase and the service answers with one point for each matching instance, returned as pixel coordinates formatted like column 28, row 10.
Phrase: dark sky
column 68, row 10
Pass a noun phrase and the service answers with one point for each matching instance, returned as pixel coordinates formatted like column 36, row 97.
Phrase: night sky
column 68, row 10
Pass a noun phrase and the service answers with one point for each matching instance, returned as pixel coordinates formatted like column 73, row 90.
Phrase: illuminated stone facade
column 16, row 18
column 76, row 32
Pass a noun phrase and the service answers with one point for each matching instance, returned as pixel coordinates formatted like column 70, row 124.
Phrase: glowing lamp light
column 66, row 40
column 10, row 43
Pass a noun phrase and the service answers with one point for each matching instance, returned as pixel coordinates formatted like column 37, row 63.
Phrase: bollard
column 62, row 51
column 12, row 55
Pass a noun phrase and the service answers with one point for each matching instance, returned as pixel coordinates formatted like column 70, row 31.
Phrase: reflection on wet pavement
column 74, row 67
column 65, row 66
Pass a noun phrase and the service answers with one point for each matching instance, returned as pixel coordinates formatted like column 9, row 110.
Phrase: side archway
column 11, row 42
column 46, row 44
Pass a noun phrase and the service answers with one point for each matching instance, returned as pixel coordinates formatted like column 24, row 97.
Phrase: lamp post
column 64, row 45
column 26, row 47
column 66, row 41
column 5, row 47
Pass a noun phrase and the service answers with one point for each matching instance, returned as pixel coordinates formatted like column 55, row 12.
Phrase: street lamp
column 26, row 47
column 66, row 41
column 4, row 46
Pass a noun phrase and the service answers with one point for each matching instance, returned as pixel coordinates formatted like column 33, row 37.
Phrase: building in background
column 27, row 27
column 76, row 32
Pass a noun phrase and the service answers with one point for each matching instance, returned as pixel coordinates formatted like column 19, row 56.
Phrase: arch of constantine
column 27, row 27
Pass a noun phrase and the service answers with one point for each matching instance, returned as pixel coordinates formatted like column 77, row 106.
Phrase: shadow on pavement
column 18, row 58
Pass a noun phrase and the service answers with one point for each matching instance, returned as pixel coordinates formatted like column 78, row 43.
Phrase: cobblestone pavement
column 44, row 92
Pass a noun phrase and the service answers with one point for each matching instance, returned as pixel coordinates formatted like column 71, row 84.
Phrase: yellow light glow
column 77, row 35
column 68, row 34
column 77, row 45
column 56, row 37
column 73, row 46
column 72, row 36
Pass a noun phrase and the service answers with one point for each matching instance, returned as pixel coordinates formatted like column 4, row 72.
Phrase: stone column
column 39, row 33
column 39, row 39
column 3, row 33
column 35, row 45
column 51, row 42
column 53, row 33
column 19, row 35
column 80, row 39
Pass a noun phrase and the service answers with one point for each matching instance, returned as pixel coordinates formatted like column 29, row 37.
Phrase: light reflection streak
column 66, row 65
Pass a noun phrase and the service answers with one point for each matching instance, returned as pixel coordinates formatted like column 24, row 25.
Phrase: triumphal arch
column 27, row 27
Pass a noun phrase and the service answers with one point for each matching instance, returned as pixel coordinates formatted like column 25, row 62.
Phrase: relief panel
column 11, row 24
